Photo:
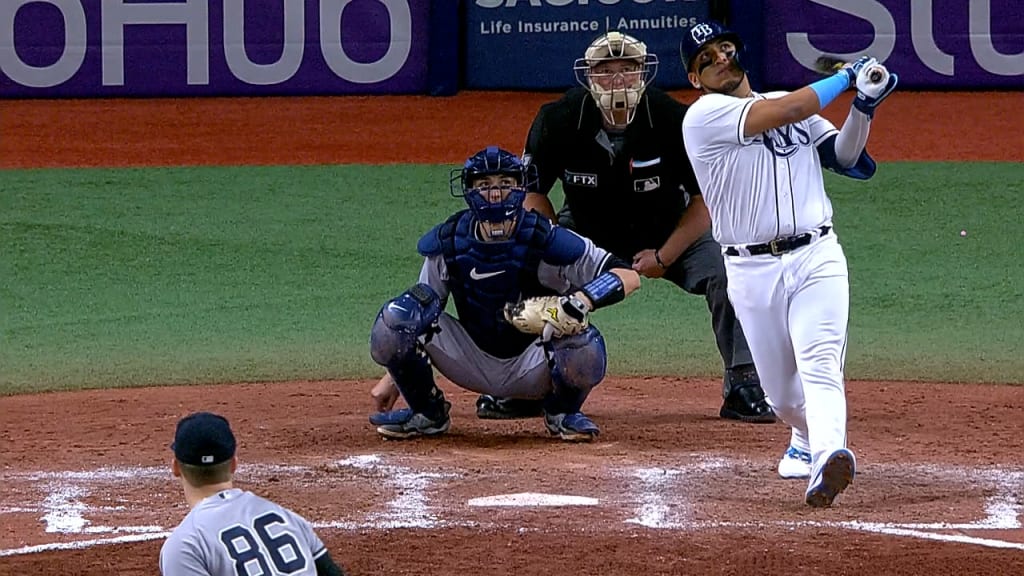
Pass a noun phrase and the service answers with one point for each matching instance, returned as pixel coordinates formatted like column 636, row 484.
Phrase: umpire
column 616, row 144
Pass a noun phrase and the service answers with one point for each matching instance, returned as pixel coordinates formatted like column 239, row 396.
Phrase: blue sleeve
column 564, row 247
column 828, row 89
column 862, row 170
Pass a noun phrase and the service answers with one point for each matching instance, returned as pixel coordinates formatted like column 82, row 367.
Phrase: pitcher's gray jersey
column 237, row 533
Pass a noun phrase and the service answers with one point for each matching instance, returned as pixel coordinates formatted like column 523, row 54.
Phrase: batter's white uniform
column 793, row 307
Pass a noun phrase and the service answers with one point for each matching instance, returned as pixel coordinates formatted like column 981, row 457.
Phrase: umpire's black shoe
column 746, row 400
column 493, row 408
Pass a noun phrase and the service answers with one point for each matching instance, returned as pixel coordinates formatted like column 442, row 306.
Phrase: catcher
column 523, row 290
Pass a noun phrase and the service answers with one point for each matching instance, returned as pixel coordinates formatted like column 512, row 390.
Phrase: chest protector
column 484, row 276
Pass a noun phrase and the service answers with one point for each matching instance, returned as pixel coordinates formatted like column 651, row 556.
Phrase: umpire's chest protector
column 637, row 191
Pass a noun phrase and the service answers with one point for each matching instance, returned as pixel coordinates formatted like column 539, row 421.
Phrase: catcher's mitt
column 548, row 316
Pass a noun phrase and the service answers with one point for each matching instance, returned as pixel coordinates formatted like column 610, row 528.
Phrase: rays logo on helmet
column 701, row 32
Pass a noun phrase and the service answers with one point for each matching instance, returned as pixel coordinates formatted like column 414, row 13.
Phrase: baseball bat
column 830, row 65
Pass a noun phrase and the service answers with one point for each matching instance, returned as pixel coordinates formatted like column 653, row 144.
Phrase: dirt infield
column 668, row 489
column 675, row 490
column 406, row 129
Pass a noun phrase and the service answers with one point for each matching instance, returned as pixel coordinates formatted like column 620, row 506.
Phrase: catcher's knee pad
column 578, row 362
column 401, row 323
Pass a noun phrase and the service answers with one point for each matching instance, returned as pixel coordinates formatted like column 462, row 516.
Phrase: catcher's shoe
column 574, row 427
column 746, row 401
column 832, row 478
column 404, row 423
column 795, row 463
column 493, row 408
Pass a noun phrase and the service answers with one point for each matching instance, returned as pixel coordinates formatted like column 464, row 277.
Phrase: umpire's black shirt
column 626, row 192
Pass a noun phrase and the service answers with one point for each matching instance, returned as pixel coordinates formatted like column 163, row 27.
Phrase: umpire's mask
column 616, row 69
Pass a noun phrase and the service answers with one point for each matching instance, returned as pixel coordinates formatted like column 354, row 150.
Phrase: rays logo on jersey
column 785, row 141
column 581, row 179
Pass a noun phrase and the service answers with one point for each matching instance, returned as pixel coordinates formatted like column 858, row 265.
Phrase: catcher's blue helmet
column 699, row 35
column 487, row 162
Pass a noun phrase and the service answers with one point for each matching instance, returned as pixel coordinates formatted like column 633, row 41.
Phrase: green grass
column 926, row 302
column 194, row 275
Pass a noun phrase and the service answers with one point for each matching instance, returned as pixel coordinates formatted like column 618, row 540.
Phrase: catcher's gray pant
column 457, row 357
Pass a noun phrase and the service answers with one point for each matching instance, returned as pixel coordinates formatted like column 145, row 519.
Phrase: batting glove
column 871, row 94
column 852, row 70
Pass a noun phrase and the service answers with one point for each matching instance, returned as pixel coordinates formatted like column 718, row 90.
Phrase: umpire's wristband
column 657, row 258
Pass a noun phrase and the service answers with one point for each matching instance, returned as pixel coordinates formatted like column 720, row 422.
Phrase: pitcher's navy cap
column 203, row 439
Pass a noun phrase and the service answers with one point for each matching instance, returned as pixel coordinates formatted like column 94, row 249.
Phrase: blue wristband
column 605, row 290
column 828, row 89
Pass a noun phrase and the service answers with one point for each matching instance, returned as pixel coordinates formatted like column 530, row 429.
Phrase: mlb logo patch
column 580, row 179
column 647, row 184
column 207, row 459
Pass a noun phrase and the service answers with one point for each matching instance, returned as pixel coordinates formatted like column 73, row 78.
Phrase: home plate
column 533, row 499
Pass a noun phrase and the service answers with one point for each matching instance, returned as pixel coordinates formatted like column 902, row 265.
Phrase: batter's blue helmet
column 700, row 35
column 487, row 162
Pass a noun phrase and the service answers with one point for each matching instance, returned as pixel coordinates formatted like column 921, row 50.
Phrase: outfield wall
column 89, row 48
column 59, row 48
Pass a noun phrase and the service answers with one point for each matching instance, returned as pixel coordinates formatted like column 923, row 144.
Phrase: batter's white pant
column 794, row 309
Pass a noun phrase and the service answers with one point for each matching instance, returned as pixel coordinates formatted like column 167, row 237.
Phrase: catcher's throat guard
column 497, row 203
column 616, row 68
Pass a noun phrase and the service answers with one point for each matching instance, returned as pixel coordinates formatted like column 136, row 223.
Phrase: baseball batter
column 759, row 160
column 523, row 290
column 232, row 532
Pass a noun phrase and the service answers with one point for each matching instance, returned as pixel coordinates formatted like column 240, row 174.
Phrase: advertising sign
column 929, row 43
column 56, row 48
column 532, row 44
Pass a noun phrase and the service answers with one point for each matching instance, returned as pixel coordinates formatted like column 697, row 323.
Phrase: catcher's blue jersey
column 481, row 277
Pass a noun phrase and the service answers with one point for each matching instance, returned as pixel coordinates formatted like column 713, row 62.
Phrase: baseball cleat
column 747, row 405
column 832, row 478
column 494, row 408
column 403, row 424
column 391, row 417
column 575, row 427
column 795, row 463
column 746, row 401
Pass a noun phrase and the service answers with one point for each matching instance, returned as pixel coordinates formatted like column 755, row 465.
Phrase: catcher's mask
column 616, row 69
column 696, row 38
column 493, row 182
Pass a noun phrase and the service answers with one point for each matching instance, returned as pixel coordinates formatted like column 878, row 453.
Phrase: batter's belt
column 779, row 246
